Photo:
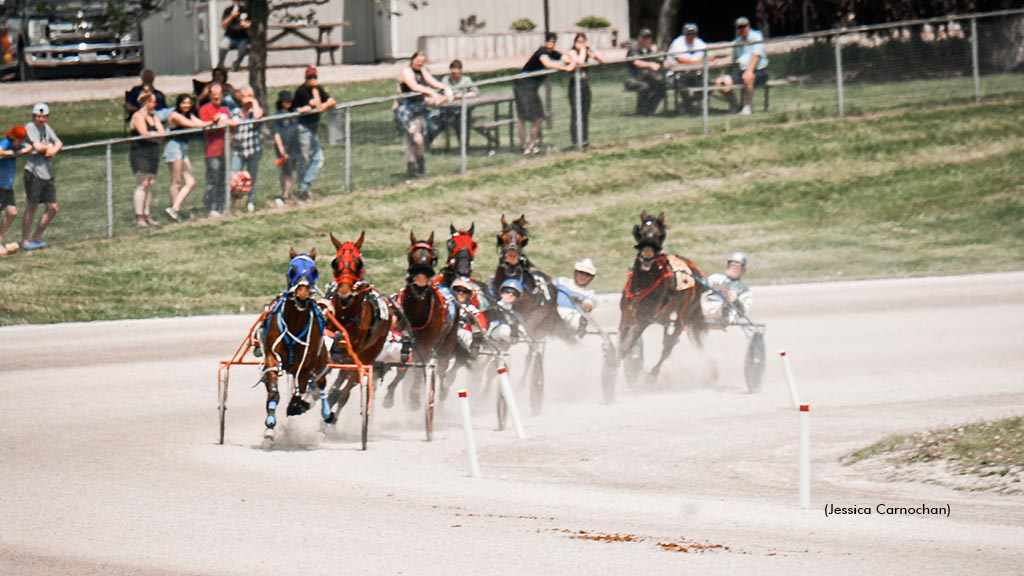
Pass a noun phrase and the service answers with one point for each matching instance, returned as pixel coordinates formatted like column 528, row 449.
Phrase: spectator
column 183, row 179
column 644, row 76
column 310, row 97
column 235, row 22
column 11, row 147
column 215, row 112
column 248, row 144
column 411, row 112
column 131, row 98
column 286, row 144
column 217, row 76
column 527, row 92
column 753, row 62
column 144, row 157
column 459, row 86
column 687, row 50
column 39, row 179
column 574, row 292
column 578, row 57
column 731, row 286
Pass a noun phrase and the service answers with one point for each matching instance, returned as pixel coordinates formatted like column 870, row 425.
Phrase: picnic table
column 302, row 40
column 487, row 114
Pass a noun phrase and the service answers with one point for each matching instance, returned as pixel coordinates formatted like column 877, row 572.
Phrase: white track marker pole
column 510, row 401
column 793, row 397
column 805, row 456
column 467, row 427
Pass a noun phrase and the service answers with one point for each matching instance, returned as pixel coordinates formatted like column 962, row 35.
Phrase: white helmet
column 739, row 257
column 586, row 266
column 465, row 283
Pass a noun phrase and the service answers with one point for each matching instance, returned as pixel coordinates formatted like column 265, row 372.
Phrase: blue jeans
column 214, row 197
column 310, row 160
column 239, row 44
column 250, row 165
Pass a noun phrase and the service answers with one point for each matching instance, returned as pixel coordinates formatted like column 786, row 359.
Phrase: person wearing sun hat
column 39, row 180
column 310, row 97
column 11, row 147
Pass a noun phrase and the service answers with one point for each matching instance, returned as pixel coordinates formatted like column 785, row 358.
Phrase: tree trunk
column 259, row 14
column 667, row 24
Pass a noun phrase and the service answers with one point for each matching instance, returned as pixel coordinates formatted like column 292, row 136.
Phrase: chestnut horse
column 291, row 339
column 461, row 252
column 362, row 310
column 660, row 289
column 538, row 304
column 424, row 315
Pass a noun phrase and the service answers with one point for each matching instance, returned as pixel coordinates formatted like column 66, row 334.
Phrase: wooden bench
column 767, row 86
column 322, row 43
column 487, row 125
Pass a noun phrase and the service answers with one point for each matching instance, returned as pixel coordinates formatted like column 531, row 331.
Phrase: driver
column 500, row 318
column 732, row 286
column 471, row 333
column 574, row 292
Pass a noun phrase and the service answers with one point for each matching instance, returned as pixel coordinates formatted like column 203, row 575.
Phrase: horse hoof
column 297, row 406
column 268, row 434
column 332, row 419
column 414, row 404
column 389, row 401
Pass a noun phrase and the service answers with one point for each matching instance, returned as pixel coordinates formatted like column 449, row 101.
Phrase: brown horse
column 361, row 310
column 660, row 289
column 461, row 253
column 538, row 304
column 291, row 341
column 423, row 315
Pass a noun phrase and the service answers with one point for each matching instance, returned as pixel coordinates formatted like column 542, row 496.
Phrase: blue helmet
column 514, row 284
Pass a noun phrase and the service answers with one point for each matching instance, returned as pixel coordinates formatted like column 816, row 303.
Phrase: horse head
column 511, row 241
column 302, row 277
column 650, row 238
column 422, row 260
column 461, row 250
column 347, row 265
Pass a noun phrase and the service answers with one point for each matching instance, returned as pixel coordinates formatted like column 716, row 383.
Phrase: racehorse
column 291, row 339
column 461, row 252
column 660, row 289
column 361, row 310
column 538, row 305
column 423, row 315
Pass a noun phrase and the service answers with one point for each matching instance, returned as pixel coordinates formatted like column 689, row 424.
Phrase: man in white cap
column 687, row 50
column 39, row 181
column 574, row 292
column 753, row 62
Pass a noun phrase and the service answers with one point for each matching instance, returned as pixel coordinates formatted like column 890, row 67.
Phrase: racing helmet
column 513, row 284
column 465, row 283
column 738, row 257
column 586, row 266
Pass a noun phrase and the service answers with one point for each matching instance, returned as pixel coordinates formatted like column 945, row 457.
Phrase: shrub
column 593, row 22
column 523, row 25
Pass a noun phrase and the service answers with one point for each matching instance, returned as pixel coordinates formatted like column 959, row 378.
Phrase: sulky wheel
column 754, row 367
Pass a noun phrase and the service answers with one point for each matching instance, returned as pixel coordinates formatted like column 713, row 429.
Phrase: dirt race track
column 109, row 463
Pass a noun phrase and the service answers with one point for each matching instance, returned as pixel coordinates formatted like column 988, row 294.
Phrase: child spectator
column 286, row 144
column 39, row 180
column 11, row 147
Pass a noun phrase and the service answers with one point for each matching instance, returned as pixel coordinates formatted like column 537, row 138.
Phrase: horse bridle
column 348, row 265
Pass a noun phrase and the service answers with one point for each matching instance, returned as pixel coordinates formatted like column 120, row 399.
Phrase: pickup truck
column 51, row 38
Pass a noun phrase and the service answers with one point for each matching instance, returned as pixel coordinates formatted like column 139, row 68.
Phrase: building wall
column 177, row 38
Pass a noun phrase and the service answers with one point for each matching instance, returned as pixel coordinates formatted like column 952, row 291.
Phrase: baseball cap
column 742, row 21
column 689, row 28
column 41, row 109
column 645, row 33
column 17, row 133
column 311, row 71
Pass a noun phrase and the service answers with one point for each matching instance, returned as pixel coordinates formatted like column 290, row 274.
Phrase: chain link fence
column 836, row 73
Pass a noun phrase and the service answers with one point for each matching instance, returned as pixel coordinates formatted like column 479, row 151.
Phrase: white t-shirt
column 680, row 47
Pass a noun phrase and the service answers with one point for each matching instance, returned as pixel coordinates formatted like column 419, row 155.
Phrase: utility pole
column 547, row 18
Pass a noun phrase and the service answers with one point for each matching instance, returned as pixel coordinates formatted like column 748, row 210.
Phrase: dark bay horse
column 538, row 304
column 364, row 313
column 660, row 289
column 462, row 249
column 292, row 342
column 424, row 315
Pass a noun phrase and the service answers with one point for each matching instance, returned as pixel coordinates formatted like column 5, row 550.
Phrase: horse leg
column 340, row 393
column 273, row 397
column 297, row 405
column 389, row 397
column 669, row 342
column 328, row 416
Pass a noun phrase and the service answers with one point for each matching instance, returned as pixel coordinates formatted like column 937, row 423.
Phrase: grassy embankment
column 933, row 191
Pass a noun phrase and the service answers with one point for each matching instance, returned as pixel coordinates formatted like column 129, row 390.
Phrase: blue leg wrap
column 325, row 406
